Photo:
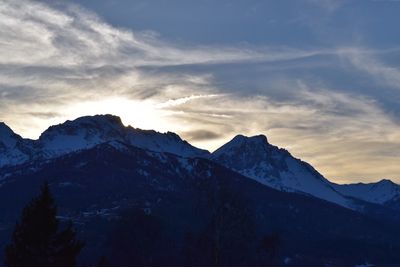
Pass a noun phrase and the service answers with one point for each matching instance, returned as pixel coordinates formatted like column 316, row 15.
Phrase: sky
column 320, row 78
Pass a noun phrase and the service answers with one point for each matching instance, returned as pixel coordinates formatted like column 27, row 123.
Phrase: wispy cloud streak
column 59, row 61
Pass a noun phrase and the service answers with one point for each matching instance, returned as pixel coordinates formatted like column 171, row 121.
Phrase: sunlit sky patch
column 320, row 78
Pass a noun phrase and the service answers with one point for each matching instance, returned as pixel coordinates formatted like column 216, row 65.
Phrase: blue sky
column 318, row 77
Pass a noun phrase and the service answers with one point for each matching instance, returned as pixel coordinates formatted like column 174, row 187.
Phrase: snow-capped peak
column 255, row 140
column 163, row 142
column 255, row 158
column 245, row 153
column 87, row 132
column 254, row 146
column 81, row 133
column 385, row 182
column 380, row 192
column 13, row 148
column 99, row 124
column 8, row 138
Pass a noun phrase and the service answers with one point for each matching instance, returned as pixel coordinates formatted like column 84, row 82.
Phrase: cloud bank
column 333, row 106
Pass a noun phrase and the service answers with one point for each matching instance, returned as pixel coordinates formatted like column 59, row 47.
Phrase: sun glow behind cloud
column 320, row 102
column 143, row 114
column 140, row 114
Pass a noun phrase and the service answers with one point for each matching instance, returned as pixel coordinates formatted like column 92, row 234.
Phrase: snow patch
column 255, row 158
column 379, row 192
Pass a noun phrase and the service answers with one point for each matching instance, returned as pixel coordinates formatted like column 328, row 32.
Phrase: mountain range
column 252, row 157
column 98, row 167
column 83, row 133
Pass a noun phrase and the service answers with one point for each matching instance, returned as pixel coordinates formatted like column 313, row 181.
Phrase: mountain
column 382, row 192
column 95, row 187
column 255, row 158
column 100, row 170
column 84, row 133
column 13, row 148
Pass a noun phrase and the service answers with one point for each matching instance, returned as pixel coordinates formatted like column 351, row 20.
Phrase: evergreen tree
column 269, row 247
column 103, row 262
column 138, row 240
column 37, row 239
column 227, row 238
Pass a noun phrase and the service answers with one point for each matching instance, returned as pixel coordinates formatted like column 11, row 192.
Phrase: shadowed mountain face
column 255, row 158
column 382, row 192
column 13, row 148
column 94, row 186
column 252, row 157
column 98, row 169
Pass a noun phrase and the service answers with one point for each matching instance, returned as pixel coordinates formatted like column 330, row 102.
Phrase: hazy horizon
column 212, row 148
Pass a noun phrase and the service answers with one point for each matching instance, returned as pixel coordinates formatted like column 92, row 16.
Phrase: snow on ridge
column 255, row 158
column 13, row 148
column 7, row 137
column 240, row 141
column 380, row 192
column 87, row 132
column 252, row 156
column 167, row 142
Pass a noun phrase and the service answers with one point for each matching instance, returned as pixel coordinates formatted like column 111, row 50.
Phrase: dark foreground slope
column 190, row 200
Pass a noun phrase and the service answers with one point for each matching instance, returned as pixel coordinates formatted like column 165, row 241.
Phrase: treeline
column 37, row 239
column 225, row 235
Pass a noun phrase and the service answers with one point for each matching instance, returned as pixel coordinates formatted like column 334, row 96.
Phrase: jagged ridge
column 86, row 132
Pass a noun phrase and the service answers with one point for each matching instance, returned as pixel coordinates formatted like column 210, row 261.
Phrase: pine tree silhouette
column 37, row 240
column 103, row 262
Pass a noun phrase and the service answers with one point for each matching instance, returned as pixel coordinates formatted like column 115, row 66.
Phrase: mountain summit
column 381, row 192
column 7, row 137
column 87, row 132
column 255, row 158
column 13, row 148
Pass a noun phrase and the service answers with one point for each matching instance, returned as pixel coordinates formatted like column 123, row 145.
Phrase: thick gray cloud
column 201, row 135
column 320, row 78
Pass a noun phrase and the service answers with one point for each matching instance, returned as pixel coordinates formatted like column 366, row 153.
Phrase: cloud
column 66, row 52
column 183, row 100
column 328, row 5
column 62, row 53
column 348, row 137
column 45, row 115
column 59, row 61
column 370, row 63
column 37, row 34
column 201, row 135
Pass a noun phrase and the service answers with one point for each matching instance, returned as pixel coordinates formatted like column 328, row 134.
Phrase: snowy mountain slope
column 380, row 192
column 97, row 168
column 94, row 186
column 13, row 148
column 86, row 132
column 254, row 157
column 168, row 142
